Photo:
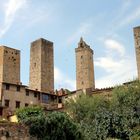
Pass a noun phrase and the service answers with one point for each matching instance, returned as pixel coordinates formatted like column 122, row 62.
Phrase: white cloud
column 62, row 80
column 124, row 73
column 108, row 64
column 83, row 30
column 10, row 11
column 116, row 71
column 115, row 46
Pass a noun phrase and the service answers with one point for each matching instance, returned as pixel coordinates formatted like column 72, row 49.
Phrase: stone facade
column 18, row 96
column 41, row 66
column 84, row 66
column 11, row 131
column 9, row 65
column 137, row 48
column 13, row 94
column 41, row 83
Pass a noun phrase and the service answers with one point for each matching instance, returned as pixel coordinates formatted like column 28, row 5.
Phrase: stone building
column 84, row 66
column 137, row 48
column 41, row 88
column 41, row 83
column 41, row 66
column 9, row 65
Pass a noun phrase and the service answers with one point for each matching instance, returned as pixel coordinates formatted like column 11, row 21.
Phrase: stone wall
column 12, row 131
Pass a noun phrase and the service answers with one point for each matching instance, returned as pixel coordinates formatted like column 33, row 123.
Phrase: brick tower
column 84, row 66
column 41, row 66
column 137, row 48
column 9, row 65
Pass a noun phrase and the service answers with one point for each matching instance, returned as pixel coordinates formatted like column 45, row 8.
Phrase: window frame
column 17, row 104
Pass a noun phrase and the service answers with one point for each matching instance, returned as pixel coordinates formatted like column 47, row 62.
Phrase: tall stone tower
column 41, row 66
column 84, row 66
column 137, row 48
column 9, row 65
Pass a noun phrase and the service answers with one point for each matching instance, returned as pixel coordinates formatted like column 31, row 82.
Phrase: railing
column 52, row 106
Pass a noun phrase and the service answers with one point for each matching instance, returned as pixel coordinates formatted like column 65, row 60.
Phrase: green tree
column 92, row 115
column 126, row 110
column 53, row 126
column 56, row 126
column 100, row 118
column 25, row 115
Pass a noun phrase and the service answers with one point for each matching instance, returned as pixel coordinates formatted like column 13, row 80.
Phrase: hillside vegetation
column 89, row 117
column 101, row 118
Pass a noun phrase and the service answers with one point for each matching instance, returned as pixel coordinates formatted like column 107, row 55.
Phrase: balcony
column 52, row 106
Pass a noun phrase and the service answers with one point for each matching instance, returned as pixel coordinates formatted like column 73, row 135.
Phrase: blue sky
column 106, row 25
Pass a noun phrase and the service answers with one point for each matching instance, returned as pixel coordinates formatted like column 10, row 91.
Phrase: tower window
column 82, row 82
column 7, row 86
column 16, row 52
column 81, row 56
column 17, row 104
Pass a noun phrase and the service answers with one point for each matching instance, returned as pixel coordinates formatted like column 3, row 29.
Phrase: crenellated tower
column 84, row 66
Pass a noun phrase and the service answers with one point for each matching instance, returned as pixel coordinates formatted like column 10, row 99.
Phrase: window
column 7, row 86
column 7, row 103
column 27, row 93
column 26, row 104
column 18, row 88
column 17, row 104
column 35, row 94
column 60, row 100
column 81, row 56
column 82, row 82
column 45, row 98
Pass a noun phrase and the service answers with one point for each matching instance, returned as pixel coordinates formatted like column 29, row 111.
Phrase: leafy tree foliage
column 56, row 126
column 53, row 126
column 29, row 113
column 116, row 118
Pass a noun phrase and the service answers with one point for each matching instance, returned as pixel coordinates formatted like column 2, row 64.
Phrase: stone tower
column 84, row 66
column 9, row 65
column 137, row 48
column 41, row 66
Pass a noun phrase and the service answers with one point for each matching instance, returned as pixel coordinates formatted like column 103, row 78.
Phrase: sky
column 105, row 25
